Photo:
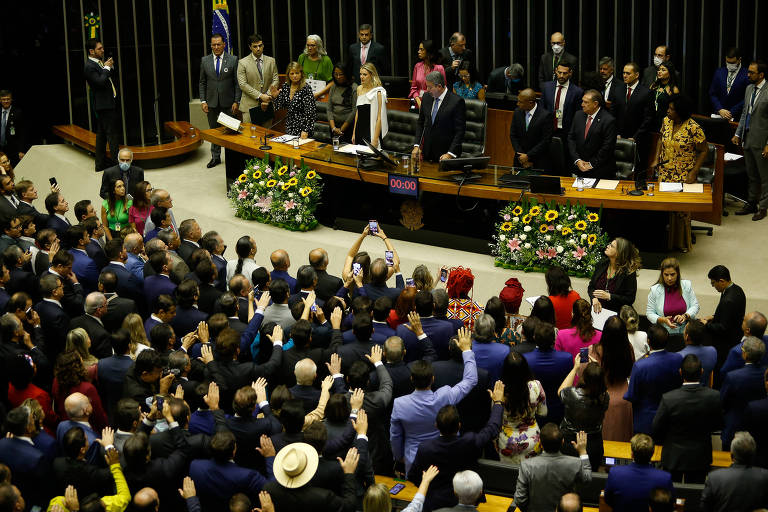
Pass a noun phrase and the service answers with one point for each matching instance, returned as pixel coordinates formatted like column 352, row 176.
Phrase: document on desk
column 584, row 182
column 696, row 188
column 599, row 319
column 352, row 149
column 607, row 184
column 667, row 186
column 284, row 138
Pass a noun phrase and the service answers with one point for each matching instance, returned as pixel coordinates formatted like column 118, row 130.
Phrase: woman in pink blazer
column 427, row 63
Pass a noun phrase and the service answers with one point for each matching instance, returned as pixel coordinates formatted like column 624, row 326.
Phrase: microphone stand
column 265, row 146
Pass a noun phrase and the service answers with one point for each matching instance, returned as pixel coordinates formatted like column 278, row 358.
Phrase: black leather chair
column 557, row 157
column 706, row 176
column 498, row 478
column 474, row 135
column 402, row 127
column 626, row 156
column 321, row 132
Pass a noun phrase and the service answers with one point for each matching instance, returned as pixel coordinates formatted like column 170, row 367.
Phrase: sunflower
column 567, row 231
column 271, row 183
column 507, row 226
column 305, row 191
column 535, row 211
column 581, row 225
column 593, row 217
column 551, row 215
column 517, row 211
column 311, row 175
column 282, row 170
column 242, row 178
column 291, row 182
column 543, row 228
column 256, row 174
column 286, row 186
column 591, row 239
column 527, row 219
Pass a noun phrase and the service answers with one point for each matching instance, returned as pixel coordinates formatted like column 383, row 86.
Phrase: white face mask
column 732, row 67
column 657, row 61
column 557, row 49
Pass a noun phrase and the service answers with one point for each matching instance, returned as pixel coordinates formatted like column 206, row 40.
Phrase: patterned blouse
column 466, row 92
column 678, row 149
column 464, row 309
column 302, row 110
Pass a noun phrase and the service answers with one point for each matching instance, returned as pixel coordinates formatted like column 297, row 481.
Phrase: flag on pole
column 220, row 24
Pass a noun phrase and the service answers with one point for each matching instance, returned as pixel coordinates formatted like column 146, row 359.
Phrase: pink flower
column 551, row 253
column 514, row 245
column 551, row 227
column 579, row 252
column 506, row 216
column 242, row 195
column 289, row 205
column 264, row 204
column 292, row 174
column 541, row 254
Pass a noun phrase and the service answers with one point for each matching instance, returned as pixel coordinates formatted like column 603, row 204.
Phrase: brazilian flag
column 220, row 24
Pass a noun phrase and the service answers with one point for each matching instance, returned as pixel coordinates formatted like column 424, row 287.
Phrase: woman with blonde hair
column 296, row 97
column 371, row 115
column 378, row 499
column 135, row 327
column 79, row 341
column 423, row 279
column 614, row 280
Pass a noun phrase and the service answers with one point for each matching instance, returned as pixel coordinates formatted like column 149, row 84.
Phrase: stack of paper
column 697, row 188
column 607, row 184
column 352, row 149
column 666, row 186
column 599, row 319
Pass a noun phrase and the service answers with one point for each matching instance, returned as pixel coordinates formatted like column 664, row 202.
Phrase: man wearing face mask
column 660, row 56
column 124, row 170
column 551, row 59
column 728, row 86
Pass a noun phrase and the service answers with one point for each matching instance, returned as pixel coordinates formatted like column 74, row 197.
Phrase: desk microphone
column 638, row 183
column 417, row 163
column 265, row 146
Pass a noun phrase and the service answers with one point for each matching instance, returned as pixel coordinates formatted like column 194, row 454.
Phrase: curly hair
column 69, row 370
column 460, row 282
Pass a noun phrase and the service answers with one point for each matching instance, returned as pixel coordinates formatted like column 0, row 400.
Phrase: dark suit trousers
column 213, row 115
column 106, row 132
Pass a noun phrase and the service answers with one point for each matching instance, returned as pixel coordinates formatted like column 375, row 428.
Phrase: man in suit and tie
column 219, row 91
column 98, row 74
column 30, row 469
column 438, row 331
column 552, row 59
column 26, row 192
column 561, row 97
column 531, row 132
column 53, row 318
column 366, row 50
column 606, row 69
column 739, row 487
column 592, row 139
column 684, row 423
column 327, row 285
column 455, row 56
column 214, row 244
column 725, row 326
column 256, row 73
column 630, row 101
column 124, row 170
column 91, row 321
column 729, row 83
column 160, row 283
column 9, row 203
column 190, row 235
column 83, row 266
column 117, row 307
column 112, row 371
column 441, row 125
column 752, row 133
column 57, row 206
column 95, row 231
column 13, row 133
column 741, row 387
column 754, row 324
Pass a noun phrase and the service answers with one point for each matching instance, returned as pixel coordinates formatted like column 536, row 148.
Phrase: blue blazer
column 29, row 468
column 571, row 103
column 149, row 323
column 739, row 388
column 550, row 367
column 96, row 252
column 629, row 487
column 734, row 360
column 655, row 307
column 216, row 483
column 86, row 270
column 55, row 324
column 651, row 377
column 128, row 285
column 490, row 356
column 202, row 422
column 58, row 225
column 221, row 268
column 157, row 285
column 186, row 320
column 719, row 95
column 136, row 266
column 708, row 357
column 285, row 276
column 94, row 450
column 438, row 331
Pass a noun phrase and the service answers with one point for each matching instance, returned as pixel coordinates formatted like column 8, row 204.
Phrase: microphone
column 417, row 163
column 265, row 146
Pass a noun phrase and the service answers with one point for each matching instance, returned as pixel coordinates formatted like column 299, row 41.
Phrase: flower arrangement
column 281, row 194
column 533, row 237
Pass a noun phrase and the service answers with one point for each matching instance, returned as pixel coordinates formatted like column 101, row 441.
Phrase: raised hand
column 376, row 354
column 263, row 301
column 356, row 400
column 188, row 488
column 260, row 387
column 277, row 334
column 414, row 323
column 211, row 399
column 465, row 339
column 497, row 395
column 266, row 448
column 349, row 464
column 334, row 367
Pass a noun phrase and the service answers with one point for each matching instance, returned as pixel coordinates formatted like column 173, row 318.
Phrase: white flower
column 547, row 238
column 571, row 217
column 527, row 245
column 527, row 228
column 559, row 227
column 560, row 249
column 523, row 237
column 515, row 219
column 290, row 194
column 572, row 241
column 261, row 183
column 298, row 217
column 583, row 236
column 502, row 237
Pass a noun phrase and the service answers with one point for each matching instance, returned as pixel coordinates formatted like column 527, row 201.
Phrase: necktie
column 13, row 200
column 629, row 94
column 2, row 128
column 218, row 65
column 434, row 109
column 557, row 103
column 527, row 119
column 362, row 55
column 729, row 81
column 258, row 66
column 751, row 107
column 586, row 128
column 114, row 91
column 125, row 180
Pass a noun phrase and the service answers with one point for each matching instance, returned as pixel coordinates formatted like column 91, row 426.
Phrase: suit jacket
column 59, row 226
column 7, row 210
column 219, row 482
column 651, row 377
column 100, row 344
column 446, row 60
column 533, row 141
column 295, row 354
column 683, row 425
column 86, row 478
column 352, row 352
column 185, row 250
column 15, row 142
column 755, row 421
column 757, row 136
column 248, row 430
column 231, row 375
column 187, row 320
column 474, row 409
column 96, row 252
column 738, row 487
column 447, row 132
column 208, row 296
column 376, row 55
column 285, row 276
column 544, row 479
column 550, row 367
column 738, row 389
column 111, row 372
column 629, row 487
column 114, row 173
column 163, row 444
column 597, row 148
column 101, row 80
column 22, row 281
column 633, row 120
column 374, row 291
column 85, row 269
column 569, row 105
column 157, row 285
column 735, row 360
column 29, row 469
column 719, row 95
column 624, row 287
column 41, row 219
column 327, row 285
column 128, row 285
column 725, row 327
column 221, row 272
column 438, row 331
column 547, row 67
column 309, row 497
column 252, row 83
column 55, row 324
column 222, row 90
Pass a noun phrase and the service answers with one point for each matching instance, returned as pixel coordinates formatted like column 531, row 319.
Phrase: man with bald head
column 531, row 132
column 160, row 197
column 91, row 321
column 146, row 499
column 592, row 139
column 554, row 57
column 570, row 502
column 754, row 324
column 134, row 255
column 456, row 56
column 327, row 285
column 79, row 409
column 281, row 262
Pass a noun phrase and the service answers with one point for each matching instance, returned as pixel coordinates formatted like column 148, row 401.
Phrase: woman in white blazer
column 671, row 301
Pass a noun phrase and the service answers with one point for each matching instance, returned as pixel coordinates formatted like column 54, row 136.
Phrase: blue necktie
column 527, row 119
column 2, row 128
column 218, row 65
column 434, row 109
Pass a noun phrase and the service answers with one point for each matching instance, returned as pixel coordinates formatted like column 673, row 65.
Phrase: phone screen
column 583, row 355
column 409, row 282
column 389, row 256
column 443, row 275
column 356, row 268
column 373, row 227
column 52, row 181
column 396, row 488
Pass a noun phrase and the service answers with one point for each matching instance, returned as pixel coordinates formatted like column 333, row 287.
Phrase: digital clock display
column 403, row 185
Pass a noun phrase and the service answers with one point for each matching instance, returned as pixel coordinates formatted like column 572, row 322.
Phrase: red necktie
column 629, row 94
column 586, row 128
column 557, row 102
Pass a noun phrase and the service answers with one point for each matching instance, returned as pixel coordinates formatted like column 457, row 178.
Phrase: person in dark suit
column 219, row 91
column 327, row 285
column 377, row 286
column 30, row 469
column 549, row 366
column 240, row 287
column 117, row 307
column 592, row 139
column 630, row 105
column 453, row 453
column 124, row 170
column 112, row 370
column 531, row 132
column 57, row 206
column 27, row 193
column 301, row 333
column 214, row 244
column 187, row 317
column 228, row 304
column 742, row 386
column 73, row 299
column 99, row 75
column 438, row 331
column 95, row 251
column 739, row 487
column 440, row 129
column 652, row 377
column 366, row 50
column 83, row 266
column 562, row 97
column 756, row 422
column 13, row 129
column 9, row 203
column 163, row 444
column 53, row 318
column 455, row 56
column 724, row 327
column 71, row 467
column 160, row 283
column 729, row 83
column 190, row 235
column 128, row 285
column 209, row 294
column 754, row 324
column 607, row 70
column 95, row 308
column 552, row 59
column 399, row 372
column 661, row 55
column 684, row 423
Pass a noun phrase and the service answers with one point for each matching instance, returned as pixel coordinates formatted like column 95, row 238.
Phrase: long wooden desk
column 431, row 180
column 620, row 450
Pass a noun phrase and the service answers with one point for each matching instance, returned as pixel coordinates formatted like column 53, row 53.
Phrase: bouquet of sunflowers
column 533, row 237
column 281, row 194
